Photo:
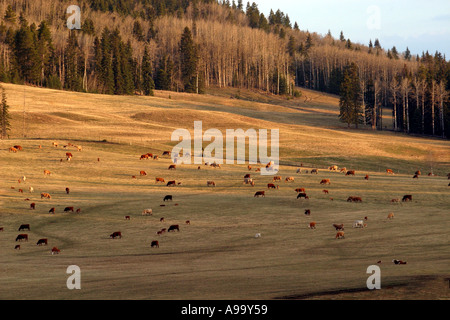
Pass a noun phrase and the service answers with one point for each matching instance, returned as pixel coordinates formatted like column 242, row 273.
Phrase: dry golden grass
column 217, row 255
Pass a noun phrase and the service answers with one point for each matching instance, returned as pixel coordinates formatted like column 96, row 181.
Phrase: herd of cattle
column 301, row 193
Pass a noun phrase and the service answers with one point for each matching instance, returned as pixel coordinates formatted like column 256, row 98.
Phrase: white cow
column 358, row 224
column 258, row 235
column 31, row 189
column 147, row 212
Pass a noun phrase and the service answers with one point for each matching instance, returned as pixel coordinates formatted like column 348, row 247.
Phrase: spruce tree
column 5, row 125
column 147, row 77
column 350, row 101
column 189, row 61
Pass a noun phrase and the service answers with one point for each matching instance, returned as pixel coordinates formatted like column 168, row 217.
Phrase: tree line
column 136, row 46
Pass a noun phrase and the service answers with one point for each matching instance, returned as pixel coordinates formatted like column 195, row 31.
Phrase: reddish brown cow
column 314, row 171
column 173, row 228
column 160, row 180
column 55, row 250
column 325, row 191
column 407, row 197
column 271, row 186
column 67, row 209
column 127, row 217
column 67, row 190
column 173, row 167
column 144, row 156
column 389, row 171
column 142, row 173
column 325, row 181
column 340, row 235
column 312, row 225
column 22, row 236
column 116, row 234
column 298, row 190
column 24, row 226
column 42, row 242
column 276, row 178
column 260, row 194
column 155, row 244
column 52, row 210
column 33, row 206
column 308, row 212
column 354, row 199
column 350, row 173
column 338, row 227
column 171, row 183
column 19, row 148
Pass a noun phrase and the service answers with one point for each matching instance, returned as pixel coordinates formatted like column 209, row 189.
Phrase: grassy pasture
column 217, row 255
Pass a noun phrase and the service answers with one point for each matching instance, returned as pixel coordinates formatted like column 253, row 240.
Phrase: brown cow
column 19, row 148
column 366, row 177
column 416, row 176
column 188, row 222
column 288, row 179
column 389, row 171
column 155, row 244
column 173, row 167
column 47, row 173
column 350, row 173
column 272, row 186
column 144, row 156
column 298, row 190
column 276, row 178
column 312, row 225
column 171, row 183
column 67, row 190
column 127, row 217
column 52, row 210
column 67, row 209
column 55, row 250
column 210, row 183
column 308, row 212
column 79, row 210
column 155, row 157
column 407, row 197
column 33, row 206
column 395, row 200
column 22, row 236
column 142, row 173
column 302, row 195
column 338, row 227
column 45, row 195
column 340, row 235
column 390, row 216
column 17, row 247
column 42, row 242
column 395, row 261
column 12, row 149
column 333, row 168
column 343, row 170
column 325, row 181
column 116, row 234
column 316, row 171
column 160, row 180
column 69, row 155
column 166, row 153
column 247, row 176
column 24, row 226
column 173, row 228
column 418, row 173
column 325, row 191
column 260, row 194
column 354, row 199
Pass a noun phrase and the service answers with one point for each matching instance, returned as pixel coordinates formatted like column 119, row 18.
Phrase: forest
column 128, row 47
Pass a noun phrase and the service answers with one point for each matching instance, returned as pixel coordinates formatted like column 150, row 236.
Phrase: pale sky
column 420, row 25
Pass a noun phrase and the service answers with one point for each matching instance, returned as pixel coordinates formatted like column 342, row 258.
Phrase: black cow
column 24, row 226
column 173, row 228
column 167, row 198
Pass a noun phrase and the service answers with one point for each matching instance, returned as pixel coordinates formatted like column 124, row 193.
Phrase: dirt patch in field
column 416, row 288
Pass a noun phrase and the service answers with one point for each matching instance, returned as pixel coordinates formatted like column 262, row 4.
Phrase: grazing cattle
column 166, row 153
column 308, row 212
column 79, row 148
column 21, row 190
column 333, row 168
column 215, row 165
column 390, row 216
column 42, row 242
column 210, row 183
column 55, row 250
column 171, row 183
column 127, row 217
column 188, row 222
column 33, row 206
column 69, row 155
column 47, row 173
column 1, row 229
column 31, row 189
column 160, row 180
column 416, row 176
column 260, row 194
column 67, row 209
column 366, row 177
column 45, row 195
column 22, row 236
column 325, row 181
column 407, row 197
column 431, row 174
column 258, row 235
column 312, row 225
column 19, row 148
column 395, row 261
column 272, row 186
column 248, row 180
column 12, row 149
column 116, row 234
column 167, row 198
column 133, row 177
column 354, row 199
column 325, row 191
column 17, row 247
column 55, row 144
column 302, row 195
column 247, row 176
column 249, row 168
column 298, row 190
column 276, row 178
column 52, row 210
column 395, row 200
column 338, row 227
column 147, row 212
column 173, row 167
column 142, row 173
column 340, row 235
column 155, row 244
column 144, row 156
column 67, row 190
column 258, row 170
column 289, row 179
column 155, row 157
column 389, row 171
column 24, row 226
column 418, row 173
column 161, row 219
column 298, row 171
column 173, row 228
column 350, row 173
column 316, row 171
column 78, row 210
column 358, row 224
